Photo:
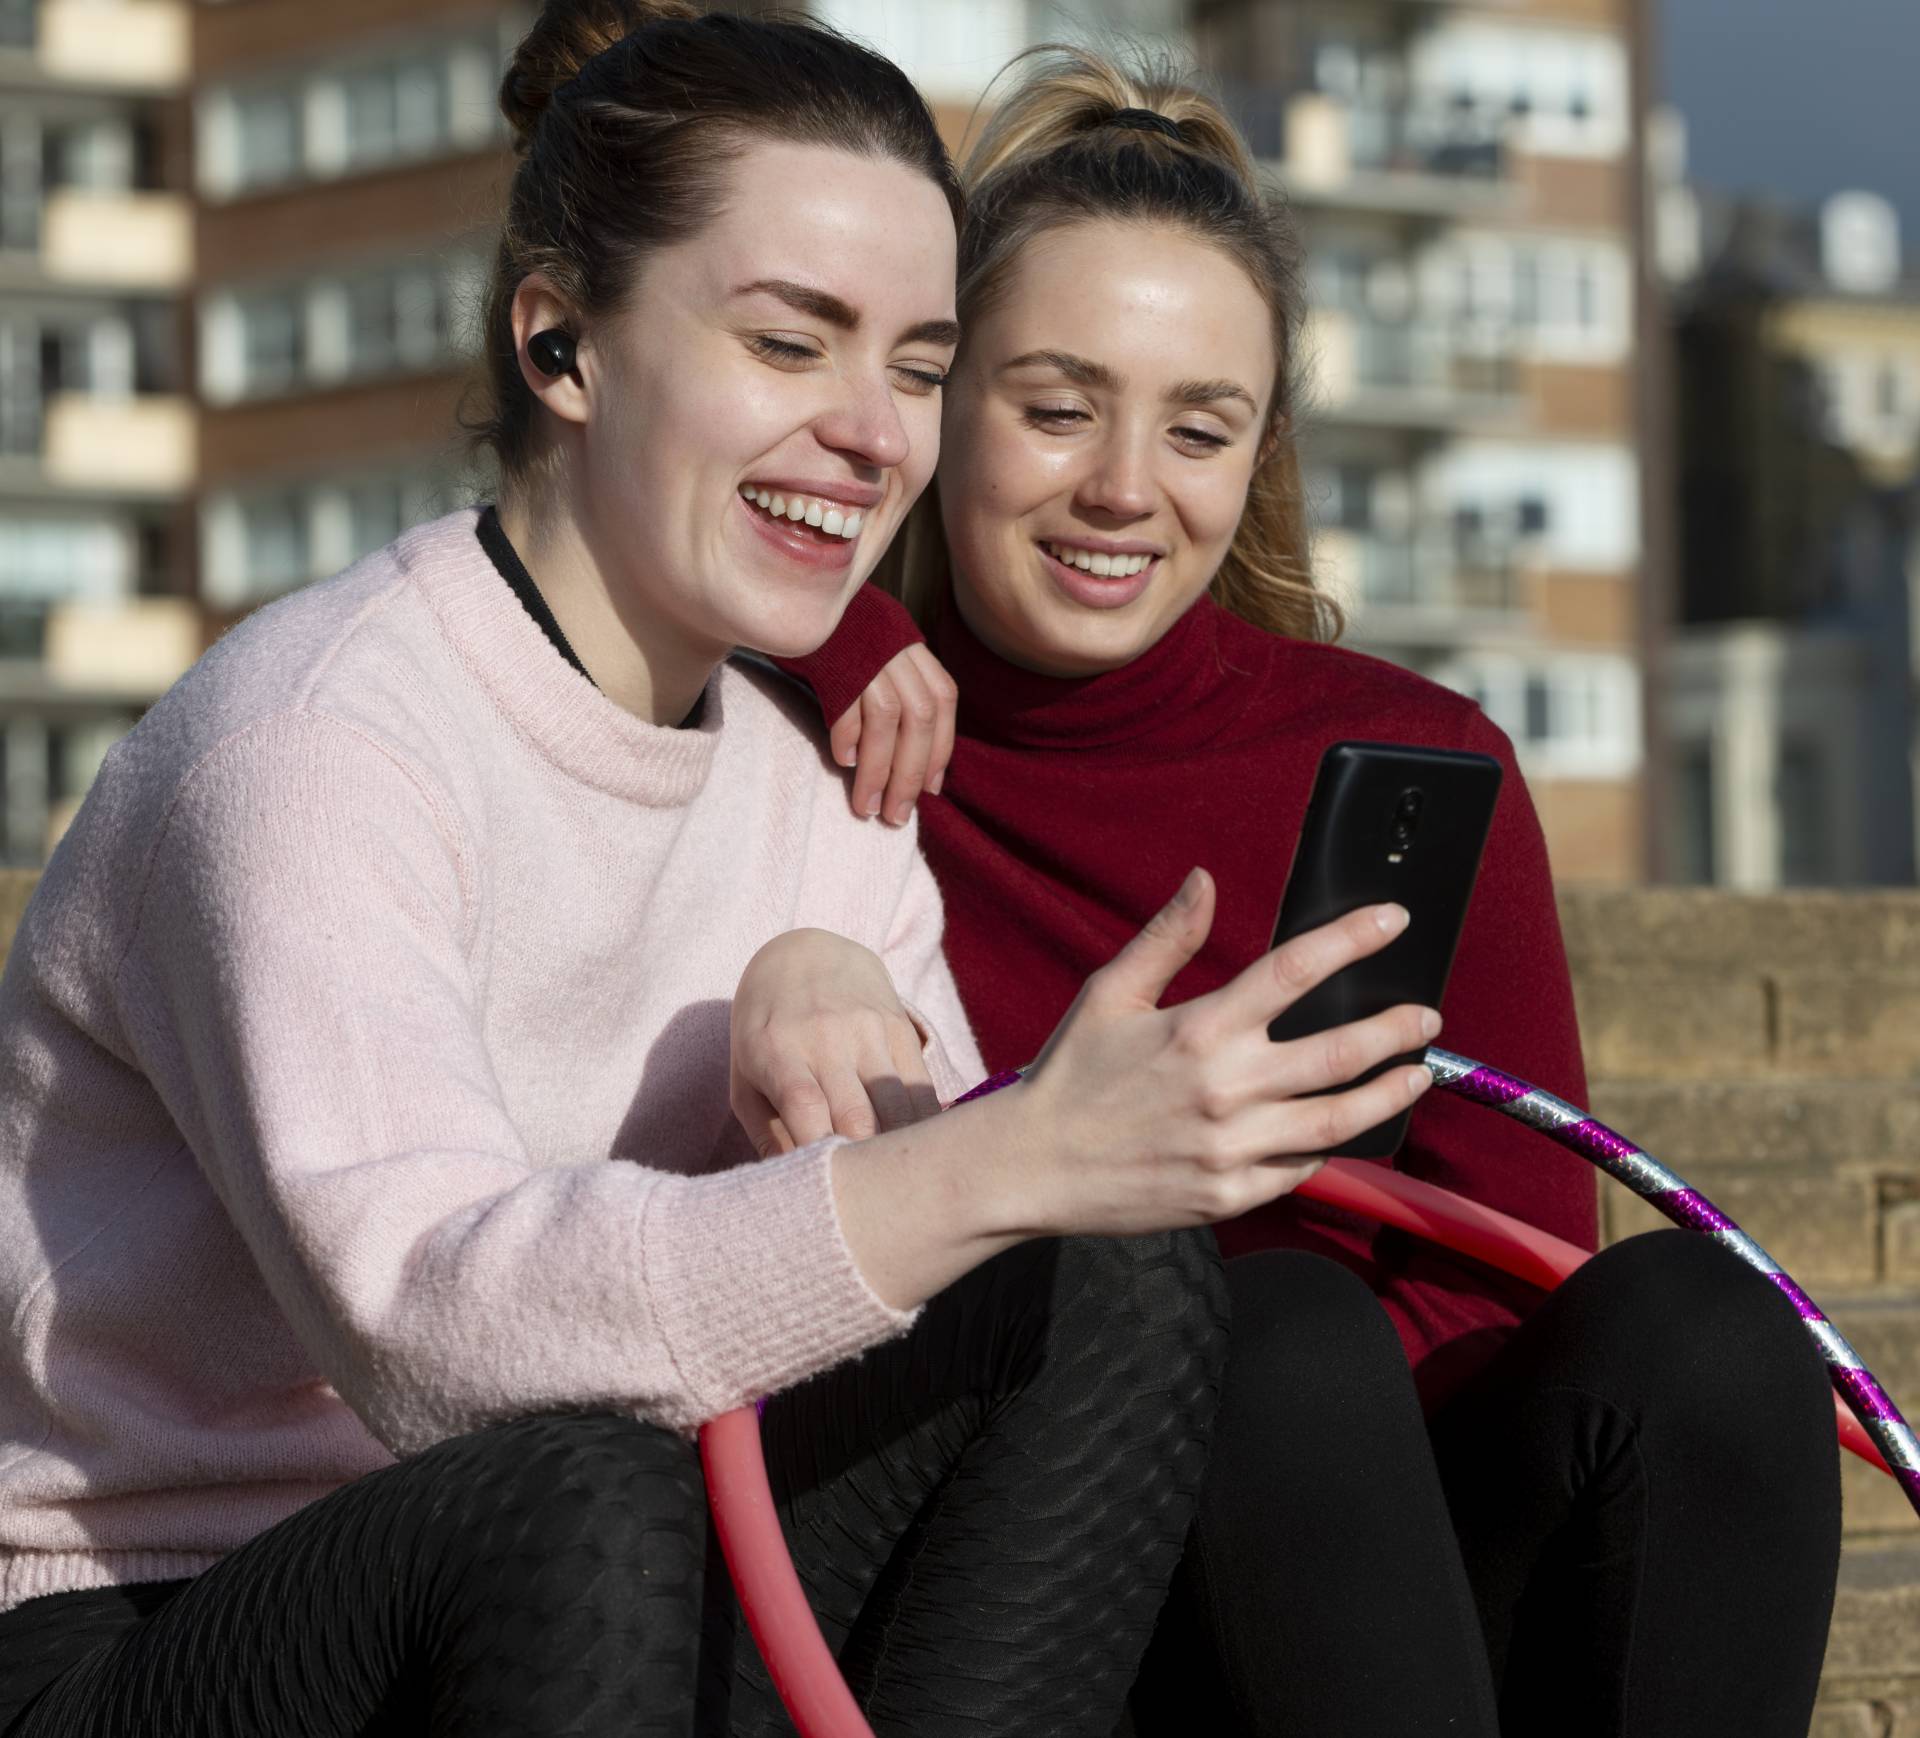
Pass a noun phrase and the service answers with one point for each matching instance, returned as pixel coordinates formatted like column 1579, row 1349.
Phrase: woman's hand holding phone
column 1141, row 1118
column 1135, row 1118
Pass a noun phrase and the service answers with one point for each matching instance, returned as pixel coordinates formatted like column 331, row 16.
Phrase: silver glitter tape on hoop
column 1593, row 1141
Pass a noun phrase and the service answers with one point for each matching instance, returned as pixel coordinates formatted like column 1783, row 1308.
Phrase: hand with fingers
column 898, row 736
column 1137, row 1118
column 822, row 1045
column 1183, row 1115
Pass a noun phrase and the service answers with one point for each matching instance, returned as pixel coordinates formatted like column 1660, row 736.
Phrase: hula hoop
column 784, row 1628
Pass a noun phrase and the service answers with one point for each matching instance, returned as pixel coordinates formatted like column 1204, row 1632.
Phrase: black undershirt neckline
column 507, row 563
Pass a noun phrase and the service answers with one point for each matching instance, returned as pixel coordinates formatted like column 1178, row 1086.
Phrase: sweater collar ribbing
column 1181, row 692
column 550, row 704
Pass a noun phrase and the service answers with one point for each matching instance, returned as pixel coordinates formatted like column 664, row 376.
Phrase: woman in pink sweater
column 375, row 1227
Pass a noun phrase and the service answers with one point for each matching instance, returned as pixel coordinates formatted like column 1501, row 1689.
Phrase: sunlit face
column 766, row 405
column 1101, row 430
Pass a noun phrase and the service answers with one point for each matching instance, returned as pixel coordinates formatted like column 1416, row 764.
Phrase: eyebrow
column 824, row 305
column 1198, row 392
column 1098, row 376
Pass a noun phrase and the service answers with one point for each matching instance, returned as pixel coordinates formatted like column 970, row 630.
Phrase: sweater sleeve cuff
column 791, row 1303
column 947, row 1080
column 875, row 629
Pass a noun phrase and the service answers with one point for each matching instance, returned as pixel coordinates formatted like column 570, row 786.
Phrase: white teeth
column 822, row 515
column 1099, row 565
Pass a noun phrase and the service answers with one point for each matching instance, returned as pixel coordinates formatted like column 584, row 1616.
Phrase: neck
column 637, row 657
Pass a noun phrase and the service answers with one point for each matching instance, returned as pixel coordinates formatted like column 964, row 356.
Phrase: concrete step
column 1871, row 1685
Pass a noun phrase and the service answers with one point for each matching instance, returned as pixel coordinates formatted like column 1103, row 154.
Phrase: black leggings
column 985, row 1514
column 1644, row 1501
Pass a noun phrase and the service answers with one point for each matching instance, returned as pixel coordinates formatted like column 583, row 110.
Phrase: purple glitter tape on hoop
column 992, row 1083
column 1600, row 1141
column 1868, row 1398
column 1490, row 1086
column 1808, row 1310
column 1693, row 1210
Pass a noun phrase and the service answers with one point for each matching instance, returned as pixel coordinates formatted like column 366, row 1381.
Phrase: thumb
column 1138, row 975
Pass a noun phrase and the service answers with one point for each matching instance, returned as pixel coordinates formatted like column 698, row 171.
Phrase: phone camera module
column 1411, row 802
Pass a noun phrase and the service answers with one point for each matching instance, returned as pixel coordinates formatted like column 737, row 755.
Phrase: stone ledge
column 1808, row 1123
column 1876, row 1618
column 1681, row 929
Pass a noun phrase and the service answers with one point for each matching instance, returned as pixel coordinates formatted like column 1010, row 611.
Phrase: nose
column 1119, row 478
column 865, row 424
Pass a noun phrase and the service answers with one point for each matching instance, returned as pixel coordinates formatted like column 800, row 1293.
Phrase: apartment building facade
column 349, row 172
column 1464, row 177
column 97, row 440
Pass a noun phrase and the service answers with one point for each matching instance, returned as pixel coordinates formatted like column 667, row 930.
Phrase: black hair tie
column 1146, row 121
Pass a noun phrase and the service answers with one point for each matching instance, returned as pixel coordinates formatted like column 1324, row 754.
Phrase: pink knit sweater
column 381, row 935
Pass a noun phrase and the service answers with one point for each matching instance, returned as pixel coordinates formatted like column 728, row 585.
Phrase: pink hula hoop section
column 782, row 1623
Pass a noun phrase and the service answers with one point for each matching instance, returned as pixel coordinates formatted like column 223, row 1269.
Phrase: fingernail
column 847, row 756
column 1189, row 889
column 873, row 804
column 1421, row 1079
column 1391, row 918
column 934, row 783
column 901, row 813
column 1429, row 1023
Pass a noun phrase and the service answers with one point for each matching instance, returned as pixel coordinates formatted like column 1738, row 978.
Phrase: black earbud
column 552, row 351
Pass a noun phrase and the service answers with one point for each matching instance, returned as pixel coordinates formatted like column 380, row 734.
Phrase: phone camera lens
column 1402, row 833
column 1410, row 803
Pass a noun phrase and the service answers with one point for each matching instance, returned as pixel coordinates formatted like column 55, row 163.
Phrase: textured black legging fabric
column 1643, row 1486
column 985, row 1513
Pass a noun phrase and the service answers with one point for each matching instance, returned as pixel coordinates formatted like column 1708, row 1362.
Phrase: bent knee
column 1696, row 1319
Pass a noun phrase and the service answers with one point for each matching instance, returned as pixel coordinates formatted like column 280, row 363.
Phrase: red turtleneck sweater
column 1073, row 808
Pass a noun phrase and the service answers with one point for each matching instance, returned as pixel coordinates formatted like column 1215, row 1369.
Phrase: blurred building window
column 258, row 546
column 50, row 559
column 345, row 120
column 1800, row 793
column 22, row 181
column 275, row 531
column 17, row 23
column 376, row 516
column 396, row 110
column 1694, row 834
column 272, row 346
column 1571, row 715
column 267, row 137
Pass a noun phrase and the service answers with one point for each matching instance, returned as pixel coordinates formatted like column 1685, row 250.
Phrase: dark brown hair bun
column 566, row 35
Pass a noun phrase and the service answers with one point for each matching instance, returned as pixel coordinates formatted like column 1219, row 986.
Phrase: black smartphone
column 1386, row 822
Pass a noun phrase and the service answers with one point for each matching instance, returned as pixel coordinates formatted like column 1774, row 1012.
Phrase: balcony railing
column 1410, row 371
column 1427, row 586
column 146, row 444
column 1418, row 155
column 134, row 44
column 131, row 240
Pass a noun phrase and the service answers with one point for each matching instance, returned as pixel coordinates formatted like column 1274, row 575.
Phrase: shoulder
column 775, row 742
column 329, row 694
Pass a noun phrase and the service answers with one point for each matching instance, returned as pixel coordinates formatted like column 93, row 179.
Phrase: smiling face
column 1101, row 430
column 753, row 422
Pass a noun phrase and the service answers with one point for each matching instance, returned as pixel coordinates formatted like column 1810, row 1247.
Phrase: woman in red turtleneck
column 1113, row 572
column 1072, row 804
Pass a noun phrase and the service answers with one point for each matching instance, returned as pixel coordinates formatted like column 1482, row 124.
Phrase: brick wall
column 1767, row 1048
